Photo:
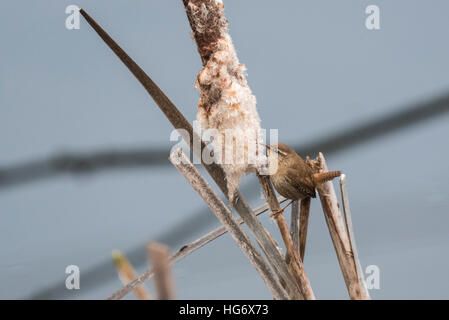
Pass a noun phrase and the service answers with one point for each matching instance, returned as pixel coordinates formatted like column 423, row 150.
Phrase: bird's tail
column 325, row 176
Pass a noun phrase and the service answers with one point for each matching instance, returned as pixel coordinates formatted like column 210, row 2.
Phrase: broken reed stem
column 193, row 176
column 127, row 274
column 303, row 226
column 263, row 238
column 294, row 224
column 296, row 267
column 159, row 256
column 349, row 227
column 339, row 235
column 183, row 252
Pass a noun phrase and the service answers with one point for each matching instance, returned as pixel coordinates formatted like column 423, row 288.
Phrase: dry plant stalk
column 349, row 227
column 159, row 256
column 183, row 252
column 263, row 238
column 193, row 176
column 127, row 274
column 294, row 224
column 299, row 224
column 303, row 226
column 339, row 235
column 296, row 267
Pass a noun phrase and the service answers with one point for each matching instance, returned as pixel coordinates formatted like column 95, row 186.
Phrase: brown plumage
column 294, row 179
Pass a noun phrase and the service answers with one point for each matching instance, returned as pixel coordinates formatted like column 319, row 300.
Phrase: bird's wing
column 306, row 186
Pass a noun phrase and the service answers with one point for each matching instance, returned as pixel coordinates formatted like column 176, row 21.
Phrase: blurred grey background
column 374, row 101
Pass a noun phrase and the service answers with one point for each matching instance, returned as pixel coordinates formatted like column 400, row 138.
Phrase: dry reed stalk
column 303, row 226
column 159, row 256
column 263, row 238
column 294, row 224
column 299, row 224
column 296, row 267
column 127, row 274
column 183, row 252
column 339, row 235
column 194, row 177
column 349, row 227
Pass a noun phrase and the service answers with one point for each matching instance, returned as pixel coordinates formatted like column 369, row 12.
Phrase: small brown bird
column 294, row 178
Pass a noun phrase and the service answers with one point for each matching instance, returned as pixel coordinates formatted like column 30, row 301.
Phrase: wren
column 294, row 178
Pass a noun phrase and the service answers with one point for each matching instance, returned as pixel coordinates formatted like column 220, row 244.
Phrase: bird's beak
column 268, row 147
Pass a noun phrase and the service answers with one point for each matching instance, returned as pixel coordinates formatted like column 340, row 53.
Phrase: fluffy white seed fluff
column 227, row 104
